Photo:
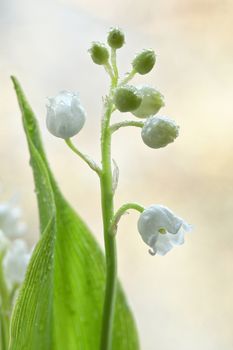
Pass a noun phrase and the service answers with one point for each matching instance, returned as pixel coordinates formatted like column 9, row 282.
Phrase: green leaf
column 60, row 303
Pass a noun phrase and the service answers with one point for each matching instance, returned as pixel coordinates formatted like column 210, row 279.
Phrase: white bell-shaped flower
column 4, row 243
column 15, row 263
column 161, row 229
column 65, row 115
column 10, row 220
column 158, row 132
column 152, row 101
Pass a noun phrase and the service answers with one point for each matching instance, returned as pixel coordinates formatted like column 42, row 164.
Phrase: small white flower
column 15, row 263
column 4, row 243
column 10, row 222
column 161, row 229
column 152, row 101
column 65, row 115
column 158, row 132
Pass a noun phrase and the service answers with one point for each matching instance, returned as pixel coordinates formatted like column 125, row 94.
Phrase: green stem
column 4, row 331
column 114, row 65
column 121, row 211
column 109, row 70
column 109, row 240
column 107, row 201
column 128, row 77
column 116, row 126
column 84, row 157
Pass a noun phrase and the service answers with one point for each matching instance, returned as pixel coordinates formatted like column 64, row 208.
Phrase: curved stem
column 121, row 211
column 84, row 157
column 128, row 77
column 116, row 126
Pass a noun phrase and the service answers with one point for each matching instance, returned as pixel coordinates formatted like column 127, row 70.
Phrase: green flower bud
column 158, row 132
column 116, row 38
column 99, row 53
column 144, row 61
column 127, row 98
column 152, row 101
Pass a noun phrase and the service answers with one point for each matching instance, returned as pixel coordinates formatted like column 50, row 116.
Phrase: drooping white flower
column 152, row 101
column 65, row 115
column 15, row 263
column 161, row 229
column 158, row 132
column 10, row 220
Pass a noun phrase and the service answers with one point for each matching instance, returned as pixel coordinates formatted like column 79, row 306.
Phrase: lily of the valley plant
column 71, row 297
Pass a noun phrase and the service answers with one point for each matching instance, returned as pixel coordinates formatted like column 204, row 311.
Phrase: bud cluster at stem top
column 66, row 116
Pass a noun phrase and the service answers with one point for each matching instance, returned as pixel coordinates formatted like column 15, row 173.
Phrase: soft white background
column 184, row 300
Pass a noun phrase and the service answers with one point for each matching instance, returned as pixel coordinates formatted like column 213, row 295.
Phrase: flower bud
column 99, row 53
column 152, row 101
column 161, row 229
column 158, row 132
column 116, row 38
column 65, row 115
column 127, row 98
column 144, row 61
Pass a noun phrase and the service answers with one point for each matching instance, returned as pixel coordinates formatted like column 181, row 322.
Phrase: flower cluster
column 14, row 253
column 157, row 225
column 66, row 116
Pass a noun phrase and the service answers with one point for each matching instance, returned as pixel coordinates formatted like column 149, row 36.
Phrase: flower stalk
column 125, row 123
column 123, row 210
column 114, row 64
column 158, row 226
column 84, row 157
column 107, row 194
column 129, row 76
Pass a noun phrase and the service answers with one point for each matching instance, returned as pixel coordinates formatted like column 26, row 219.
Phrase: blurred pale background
column 184, row 300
